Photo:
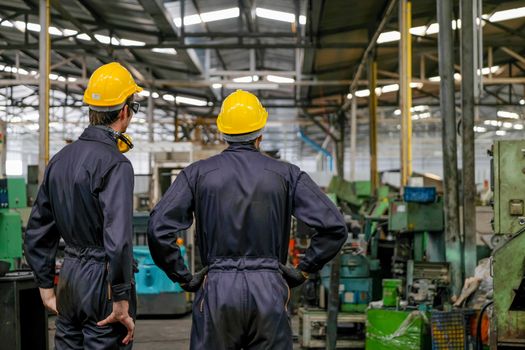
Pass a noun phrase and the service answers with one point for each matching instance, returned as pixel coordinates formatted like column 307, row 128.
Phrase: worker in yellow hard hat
column 86, row 198
column 242, row 202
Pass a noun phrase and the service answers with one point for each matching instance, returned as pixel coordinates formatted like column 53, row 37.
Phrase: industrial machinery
column 508, row 170
column 12, row 198
column 417, row 223
column 156, row 293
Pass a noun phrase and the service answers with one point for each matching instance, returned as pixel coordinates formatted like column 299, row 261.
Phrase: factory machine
column 508, row 266
column 12, row 199
column 393, row 269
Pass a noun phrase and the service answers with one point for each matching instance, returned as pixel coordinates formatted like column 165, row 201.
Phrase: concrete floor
column 160, row 334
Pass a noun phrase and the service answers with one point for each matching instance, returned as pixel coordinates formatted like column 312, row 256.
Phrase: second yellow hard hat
column 241, row 113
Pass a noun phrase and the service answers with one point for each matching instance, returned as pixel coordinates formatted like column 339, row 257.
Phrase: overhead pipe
column 318, row 148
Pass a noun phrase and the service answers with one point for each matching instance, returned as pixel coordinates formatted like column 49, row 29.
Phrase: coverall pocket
column 203, row 294
column 288, row 291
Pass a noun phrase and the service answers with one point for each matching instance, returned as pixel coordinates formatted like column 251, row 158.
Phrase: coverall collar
column 239, row 146
column 92, row 133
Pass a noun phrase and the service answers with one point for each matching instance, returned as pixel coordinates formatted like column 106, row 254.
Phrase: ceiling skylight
column 208, row 17
column 278, row 15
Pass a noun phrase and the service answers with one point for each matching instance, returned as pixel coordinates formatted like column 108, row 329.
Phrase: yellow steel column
column 44, row 87
column 372, row 112
column 405, row 74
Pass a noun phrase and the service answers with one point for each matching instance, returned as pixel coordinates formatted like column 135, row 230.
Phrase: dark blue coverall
column 243, row 202
column 87, row 199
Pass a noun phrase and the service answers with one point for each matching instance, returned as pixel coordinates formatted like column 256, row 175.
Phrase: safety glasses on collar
column 135, row 106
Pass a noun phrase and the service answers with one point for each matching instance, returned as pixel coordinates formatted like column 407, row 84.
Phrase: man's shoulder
column 90, row 154
column 282, row 167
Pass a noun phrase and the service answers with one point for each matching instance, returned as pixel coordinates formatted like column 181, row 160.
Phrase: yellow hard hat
column 241, row 113
column 109, row 86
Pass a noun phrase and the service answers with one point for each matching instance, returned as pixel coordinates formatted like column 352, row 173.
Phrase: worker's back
column 74, row 177
column 243, row 203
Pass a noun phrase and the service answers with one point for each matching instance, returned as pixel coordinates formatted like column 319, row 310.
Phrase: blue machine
column 356, row 283
column 156, row 293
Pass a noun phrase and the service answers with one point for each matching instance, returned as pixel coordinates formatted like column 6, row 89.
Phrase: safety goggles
column 135, row 106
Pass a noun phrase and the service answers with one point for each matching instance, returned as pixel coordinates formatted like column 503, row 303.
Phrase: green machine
column 12, row 197
column 388, row 329
column 360, row 267
column 508, row 184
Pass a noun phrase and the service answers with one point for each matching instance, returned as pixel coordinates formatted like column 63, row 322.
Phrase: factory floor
column 161, row 334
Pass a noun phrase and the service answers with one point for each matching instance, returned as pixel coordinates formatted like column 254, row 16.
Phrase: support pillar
column 43, row 89
column 405, row 74
column 372, row 112
column 333, row 294
column 468, row 71
column 450, row 168
column 353, row 136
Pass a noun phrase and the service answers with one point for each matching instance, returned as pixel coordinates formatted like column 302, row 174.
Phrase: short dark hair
column 107, row 118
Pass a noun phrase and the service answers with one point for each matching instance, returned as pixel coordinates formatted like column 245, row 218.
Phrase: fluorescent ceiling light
column 278, row 15
column 208, row 17
column 279, row 79
column 220, row 14
column 479, row 129
column 522, row 102
column 252, row 86
column 69, row 32
column 7, row 24
column 433, row 29
column 169, row 98
column 505, row 15
column 165, row 50
column 190, row 101
column 71, row 79
column 518, row 126
column 129, row 42
column 487, row 70
column 349, row 96
column 397, row 112
column 457, row 76
column 437, row 78
column 104, row 39
column 144, row 93
column 246, row 79
column 388, row 37
column 507, row 125
column 53, row 76
column 510, row 115
column 83, row 36
column 216, row 85
column 421, row 30
column 389, row 88
column 155, row 95
column 362, row 93
column 501, row 133
column 416, row 85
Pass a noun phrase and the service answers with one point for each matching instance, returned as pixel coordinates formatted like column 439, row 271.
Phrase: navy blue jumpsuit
column 243, row 201
column 87, row 199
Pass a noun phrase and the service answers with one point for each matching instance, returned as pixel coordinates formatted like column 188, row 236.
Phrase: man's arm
column 314, row 208
column 41, row 244
column 173, row 214
column 116, row 202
